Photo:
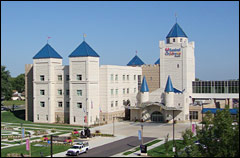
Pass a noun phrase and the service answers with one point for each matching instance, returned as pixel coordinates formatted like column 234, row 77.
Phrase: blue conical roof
column 135, row 61
column 83, row 50
column 169, row 86
column 144, row 86
column 176, row 31
column 47, row 52
column 158, row 61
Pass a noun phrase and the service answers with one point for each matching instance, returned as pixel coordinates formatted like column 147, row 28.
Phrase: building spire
column 176, row 16
column 84, row 35
column 136, row 52
column 48, row 39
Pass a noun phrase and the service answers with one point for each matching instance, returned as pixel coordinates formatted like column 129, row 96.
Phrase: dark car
column 4, row 109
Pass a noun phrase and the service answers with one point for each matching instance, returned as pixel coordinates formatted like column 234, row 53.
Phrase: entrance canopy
column 214, row 110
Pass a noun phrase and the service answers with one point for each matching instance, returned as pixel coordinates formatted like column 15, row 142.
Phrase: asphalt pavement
column 113, row 148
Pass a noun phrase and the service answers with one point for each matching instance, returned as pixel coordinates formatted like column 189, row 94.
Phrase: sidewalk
column 137, row 153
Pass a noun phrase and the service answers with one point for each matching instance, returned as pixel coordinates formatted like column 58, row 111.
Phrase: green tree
column 18, row 83
column 6, row 87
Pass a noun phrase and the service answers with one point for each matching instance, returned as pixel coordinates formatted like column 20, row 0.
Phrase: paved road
column 115, row 147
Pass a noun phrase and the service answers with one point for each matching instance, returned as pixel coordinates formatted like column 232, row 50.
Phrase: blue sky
column 115, row 30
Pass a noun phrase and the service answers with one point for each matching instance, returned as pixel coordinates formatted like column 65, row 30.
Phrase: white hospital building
column 84, row 92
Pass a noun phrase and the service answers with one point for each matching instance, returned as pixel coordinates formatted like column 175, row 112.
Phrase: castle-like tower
column 46, row 85
column 84, row 85
column 177, row 60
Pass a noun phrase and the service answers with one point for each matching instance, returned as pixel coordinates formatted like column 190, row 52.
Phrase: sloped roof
column 176, row 31
column 47, row 52
column 169, row 86
column 144, row 86
column 158, row 61
column 135, row 61
column 83, row 50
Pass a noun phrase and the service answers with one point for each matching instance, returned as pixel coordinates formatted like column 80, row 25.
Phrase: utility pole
column 174, row 145
column 113, row 126
column 30, row 144
column 142, row 132
column 22, row 133
column 51, row 147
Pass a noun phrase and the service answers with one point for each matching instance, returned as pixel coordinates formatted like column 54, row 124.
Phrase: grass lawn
column 19, row 117
column 11, row 102
column 35, row 150
column 160, row 150
column 3, row 145
column 138, row 148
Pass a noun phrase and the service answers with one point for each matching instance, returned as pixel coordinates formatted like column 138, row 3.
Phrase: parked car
column 78, row 149
column 4, row 109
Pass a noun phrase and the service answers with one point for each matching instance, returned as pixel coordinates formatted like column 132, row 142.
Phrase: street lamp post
column 202, row 114
column 113, row 126
column 174, row 145
column 142, row 132
column 51, row 145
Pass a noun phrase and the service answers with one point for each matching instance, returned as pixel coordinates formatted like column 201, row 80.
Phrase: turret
column 169, row 93
column 176, row 35
column 144, row 91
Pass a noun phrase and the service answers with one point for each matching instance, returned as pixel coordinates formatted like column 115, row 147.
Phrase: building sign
column 175, row 52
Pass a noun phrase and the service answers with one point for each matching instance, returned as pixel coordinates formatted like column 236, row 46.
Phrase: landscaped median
column 138, row 148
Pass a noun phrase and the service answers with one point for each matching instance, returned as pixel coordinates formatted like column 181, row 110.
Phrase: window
column 67, row 92
column 111, row 77
column 79, row 92
column 67, row 104
column 59, row 77
column 111, row 103
column 123, row 102
column 79, row 77
column 59, row 92
column 151, row 78
column 79, row 105
column 116, row 90
column 116, row 103
column 128, row 77
column 41, row 77
column 134, row 77
column 46, row 117
column 135, row 89
column 177, row 65
column 123, row 77
column 67, row 77
column 123, row 90
column 59, row 104
column 193, row 115
column 116, row 77
column 174, row 40
column 111, row 91
column 74, row 119
column 42, row 92
column 38, row 116
column 42, row 104
column 127, row 90
column 181, row 40
column 168, row 40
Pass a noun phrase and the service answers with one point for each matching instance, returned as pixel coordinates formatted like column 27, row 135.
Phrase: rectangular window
column 116, row 90
column 41, row 77
column 79, row 77
column 123, row 90
column 111, row 91
column 111, row 77
column 46, row 117
column 42, row 104
column 59, row 92
column 67, row 104
column 123, row 77
column 116, row 103
column 79, row 92
column 193, row 115
column 67, row 77
column 59, row 77
column 59, row 104
column 74, row 119
column 42, row 92
column 135, row 90
column 116, row 77
column 67, row 92
column 123, row 102
column 111, row 103
column 79, row 105
column 128, row 77
column 127, row 90
column 38, row 116
column 134, row 77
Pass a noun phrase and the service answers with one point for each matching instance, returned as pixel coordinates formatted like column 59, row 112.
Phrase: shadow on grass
column 19, row 114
